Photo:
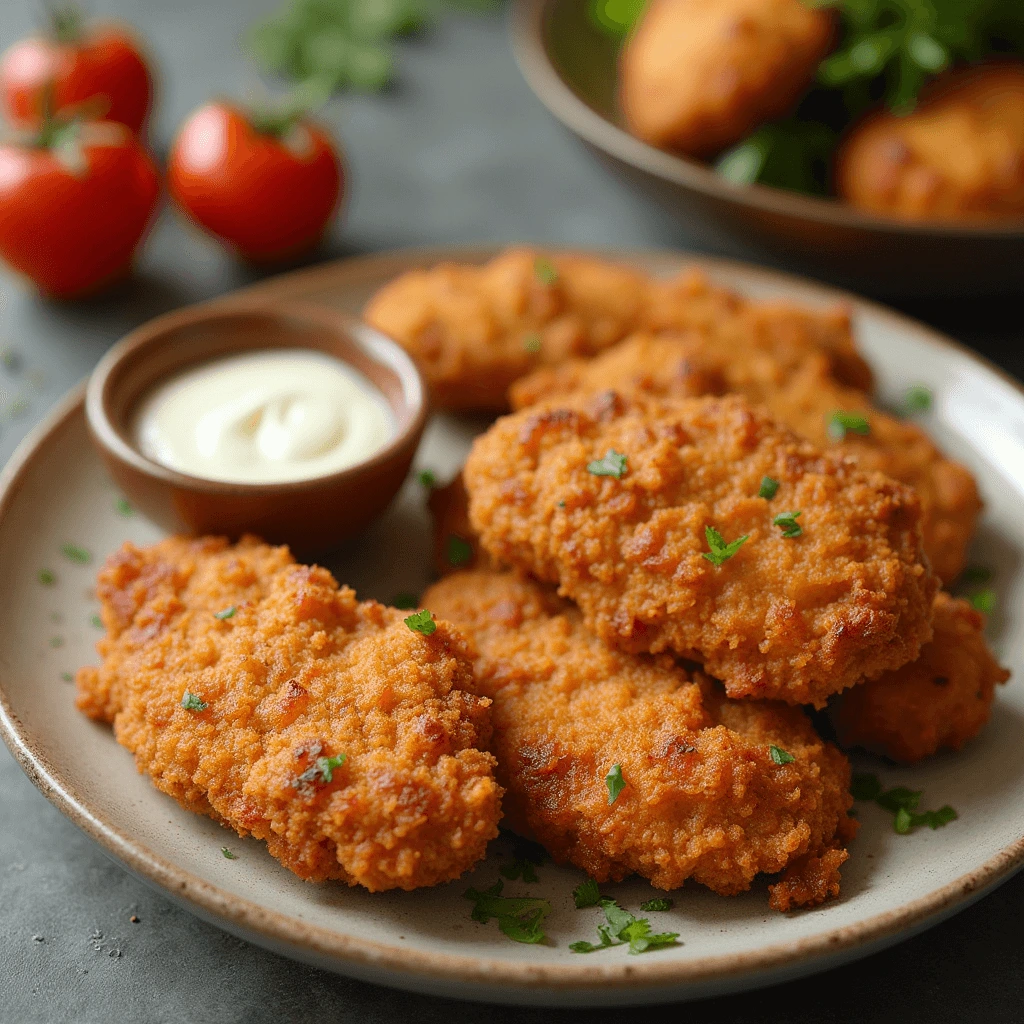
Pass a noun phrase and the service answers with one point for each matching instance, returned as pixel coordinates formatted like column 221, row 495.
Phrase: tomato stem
column 278, row 119
column 65, row 21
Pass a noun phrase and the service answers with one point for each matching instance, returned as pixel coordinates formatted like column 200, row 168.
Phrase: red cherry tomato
column 101, row 65
column 267, row 192
column 74, row 206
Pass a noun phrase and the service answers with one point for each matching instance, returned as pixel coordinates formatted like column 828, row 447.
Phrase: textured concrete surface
column 458, row 151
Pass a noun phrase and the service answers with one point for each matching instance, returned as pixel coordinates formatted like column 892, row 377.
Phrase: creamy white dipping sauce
column 266, row 416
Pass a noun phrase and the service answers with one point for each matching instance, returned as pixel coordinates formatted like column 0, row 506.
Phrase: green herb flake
column 12, row 360
column 865, row 787
column 532, row 343
column 902, row 803
column 520, row 918
column 319, row 773
column 768, row 489
column 405, row 601
column 780, row 756
column 625, row 929
column 657, row 904
column 96, row 621
column 74, row 553
column 983, row 601
column 56, row 641
column 225, row 613
column 720, row 551
column 123, row 508
column 787, row 522
column 545, row 271
column 974, row 575
column 520, row 868
column 615, row 18
column 427, row 479
column 917, row 398
column 421, row 622
column 325, row 766
column 458, row 551
column 227, row 854
column 46, row 577
column 613, row 464
column 67, row 677
column 841, row 423
column 586, row 894
column 615, row 783
column 193, row 702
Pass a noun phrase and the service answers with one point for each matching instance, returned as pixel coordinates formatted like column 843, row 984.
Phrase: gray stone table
column 458, row 151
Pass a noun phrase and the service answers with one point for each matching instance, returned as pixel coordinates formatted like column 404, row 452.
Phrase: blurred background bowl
column 571, row 65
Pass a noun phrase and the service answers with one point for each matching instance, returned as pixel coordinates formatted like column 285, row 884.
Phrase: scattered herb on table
column 720, row 551
column 405, row 601
column 12, row 360
column 545, row 271
column 193, row 702
column 780, row 756
column 421, row 622
column 613, row 464
column 67, row 677
column 768, row 488
column 427, row 478
column 96, row 621
column 123, row 508
column 615, row 783
column 520, row 868
column 56, row 641
column 458, row 551
column 902, row 802
column 521, row 918
column 228, row 854
column 625, row 929
column 586, row 894
column 983, row 601
column 74, row 553
column 917, row 398
column 659, row 903
column 46, row 577
column 787, row 522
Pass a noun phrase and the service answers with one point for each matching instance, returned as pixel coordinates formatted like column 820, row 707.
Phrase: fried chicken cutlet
column 703, row 798
column 618, row 500
column 257, row 691
column 800, row 389
column 939, row 701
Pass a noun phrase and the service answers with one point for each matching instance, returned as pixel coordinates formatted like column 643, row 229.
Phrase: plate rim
column 342, row 951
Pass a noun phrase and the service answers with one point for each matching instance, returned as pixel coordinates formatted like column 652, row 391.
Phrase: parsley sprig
column 421, row 622
column 625, row 929
column 613, row 464
column 780, row 756
column 521, row 918
column 902, row 802
column 320, row 772
column 615, row 783
column 768, row 489
column 841, row 423
column 787, row 522
column 193, row 702
column 586, row 894
column 720, row 551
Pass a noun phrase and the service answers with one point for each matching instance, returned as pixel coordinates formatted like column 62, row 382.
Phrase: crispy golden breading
column 698, row 75
column 299, row 672
column 939, row 701
column 799, row 389
column 703, row 797
column 796, row 618
column 958, row 156
column 456, row 544
column 809, row 881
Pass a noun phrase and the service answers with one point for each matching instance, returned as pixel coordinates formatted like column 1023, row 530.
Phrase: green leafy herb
column 657, row 904
column 625, row 929
column 787, row 521
column 616, row 17
column 123, row 508
column 615, row 783
column 76, row 554
column 902, row 803
column 586, row 894
column 984, row 601
column 520, row 918
column 96, row 621
column 865, row 787
column 427, row 478
column 613, row 464
column 720, row 551
column 405, row 601
column 56, row 641
column 780, row 756
column 46, row 577
column 326, row 765
column 532, row 343
column 227, row 853
column 193, row 702
column 520, row 868
column 457, row 551
column 421, row 622
column 319, row 773
column 841, row 423
column 974, row 574
column 794, row 154
column 917, row 398
column 545, row 271
column 225, row 613
column 768, row 488
column 67, row 677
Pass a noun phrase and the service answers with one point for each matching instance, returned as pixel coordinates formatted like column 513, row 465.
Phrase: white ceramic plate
column 54, row 492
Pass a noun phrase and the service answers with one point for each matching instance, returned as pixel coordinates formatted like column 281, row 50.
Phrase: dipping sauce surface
column 267, row 416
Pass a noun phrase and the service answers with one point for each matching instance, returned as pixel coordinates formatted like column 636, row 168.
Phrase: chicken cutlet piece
column 473, row 330
column 255, row 690
column 938, row 702
column 714, row 790
column 957, row 157
column 619, row 500
column 455, row 542
column 801, row 391
column 698, row 75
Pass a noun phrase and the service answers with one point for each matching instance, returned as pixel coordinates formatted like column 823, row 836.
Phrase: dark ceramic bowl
column 312, row 516
column 571, row 66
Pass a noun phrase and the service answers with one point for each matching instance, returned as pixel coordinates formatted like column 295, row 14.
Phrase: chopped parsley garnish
column 615, row 783
column 123, row 507
column 97, row 621
column 193, row 702
column 458, row 551
column 659, row 903
column 545, row 270
column 586, row 894
column 902, row 802
column 11, row 359
column 67, row 677
column 421, row 622
column 320, row 772
column 768, row 488
column 76, row 554
column 532, row 343
column 521, row 918
column 787, row 522
column 56, row 641
column 46, row 577
column 780, row 756
column 613, row 464
column 917, row 398
column 720, row 551
column 625, row 929
column 520, row 868
column 427, row 478
column 405, row 601
column 841, row 423
column 984, row 601
column 228, row 854
column 225, row 613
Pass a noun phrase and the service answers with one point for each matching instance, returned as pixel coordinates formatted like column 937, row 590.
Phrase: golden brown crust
column 703, row 798
column 939, row 701
column 808, row 881
column 795, row 619
column 796, row 381
column 959, row 156
column 698, row 75
column 298, row 671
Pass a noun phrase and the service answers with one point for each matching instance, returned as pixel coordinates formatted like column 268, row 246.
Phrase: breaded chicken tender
column 613, row 499
column 939, row 701
column 704, row 798
column 698, row 75
column 256, row 691
column 958, row 156
column 799, row 388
